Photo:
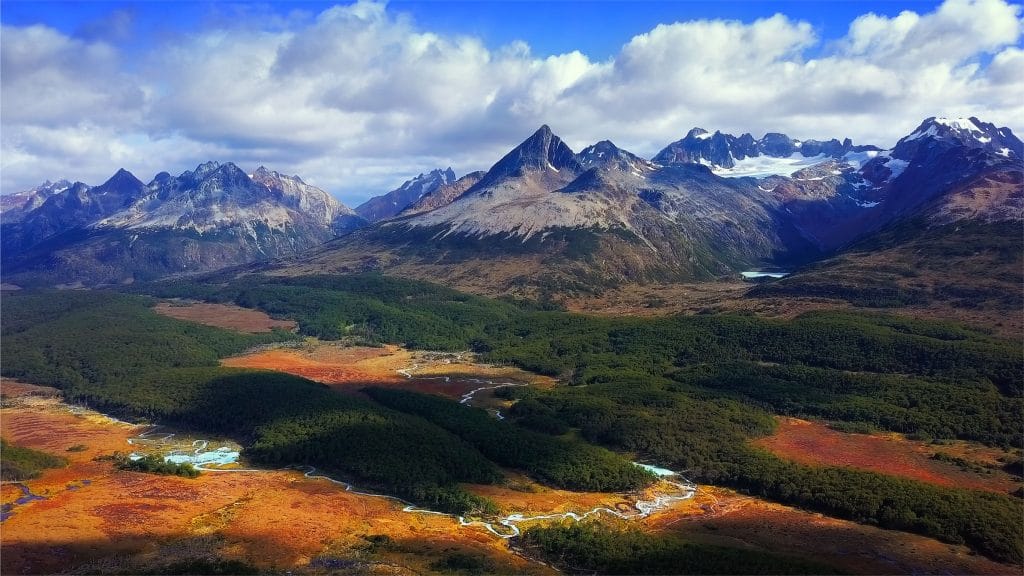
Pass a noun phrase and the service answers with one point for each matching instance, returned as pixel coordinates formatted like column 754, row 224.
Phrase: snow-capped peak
column 970, row 132
column 959, row 123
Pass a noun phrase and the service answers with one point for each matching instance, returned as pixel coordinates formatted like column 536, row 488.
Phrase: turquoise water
column 657, row 471
column 218, row 457
column 756, row 274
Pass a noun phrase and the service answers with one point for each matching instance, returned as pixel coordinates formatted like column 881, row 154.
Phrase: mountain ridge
column 608, row 215
column 213, row 216
column 411, row 191
column 543, row 215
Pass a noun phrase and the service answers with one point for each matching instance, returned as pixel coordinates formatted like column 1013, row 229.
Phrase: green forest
column 590, row 547
column 687, row 392
column 21, row 463
column 154, row 464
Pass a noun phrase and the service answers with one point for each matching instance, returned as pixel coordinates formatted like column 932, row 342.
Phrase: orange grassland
column 225, row 316
column 350, row 367
column 721, row 516
column 96, row 518
column 817, row 444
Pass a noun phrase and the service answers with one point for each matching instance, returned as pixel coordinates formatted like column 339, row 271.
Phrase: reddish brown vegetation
column 223, row 316
column 730, row 519
column 815, row 443
column 348, row 368
column 125, row 522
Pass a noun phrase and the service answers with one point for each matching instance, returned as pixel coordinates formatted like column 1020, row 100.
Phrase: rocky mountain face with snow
column 204, row 219
column 388, row 205
column 13, row 207
column 944, row 232
column 543, row 218
column 444, row 195
column 738, row 155
column 707, row 206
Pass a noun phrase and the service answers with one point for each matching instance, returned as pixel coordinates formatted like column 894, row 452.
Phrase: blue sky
column 598, row 29
column 358, row 97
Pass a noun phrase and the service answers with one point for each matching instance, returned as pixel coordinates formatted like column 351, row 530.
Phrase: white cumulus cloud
column 359, row 97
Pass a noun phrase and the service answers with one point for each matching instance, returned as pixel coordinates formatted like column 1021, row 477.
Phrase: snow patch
column 859, row 159
column 959, row 124
column 864, row 203
column 761, row 166
column 896, row 166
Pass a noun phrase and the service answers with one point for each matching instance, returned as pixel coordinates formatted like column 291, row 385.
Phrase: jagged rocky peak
column 778, row 145
column 277, row 181
column 411, row 191
column 444, row 195
column 699, row 147
column 725, row 152
column 203, row 170
column 14, row 206
column 264, row 173
column 606, row 155
column 543, row 151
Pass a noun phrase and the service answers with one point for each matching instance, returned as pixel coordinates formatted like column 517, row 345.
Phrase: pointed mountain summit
column 543, row 151
column 122, row 180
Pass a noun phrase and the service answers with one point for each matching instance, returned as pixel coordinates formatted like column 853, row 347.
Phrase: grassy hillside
column 967, row 265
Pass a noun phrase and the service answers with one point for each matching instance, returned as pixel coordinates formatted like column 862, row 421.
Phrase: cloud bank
column 359, row 98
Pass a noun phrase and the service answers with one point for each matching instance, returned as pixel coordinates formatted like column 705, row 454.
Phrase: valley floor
column 94, row 518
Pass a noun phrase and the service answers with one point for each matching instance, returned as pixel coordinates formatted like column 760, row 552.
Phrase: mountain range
column 546, row 218
column 543, row 218
column 201, row 220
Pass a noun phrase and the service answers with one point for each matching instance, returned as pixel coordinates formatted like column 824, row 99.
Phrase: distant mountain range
column 706, row 206
column 542, row 218
column 204, row 219
column 387, row 205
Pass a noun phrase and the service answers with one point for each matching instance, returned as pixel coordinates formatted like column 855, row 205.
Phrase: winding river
column 202, row 458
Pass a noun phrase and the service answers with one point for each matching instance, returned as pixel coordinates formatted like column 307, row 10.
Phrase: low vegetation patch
column 153, row 464
column 20, row 463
